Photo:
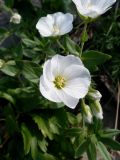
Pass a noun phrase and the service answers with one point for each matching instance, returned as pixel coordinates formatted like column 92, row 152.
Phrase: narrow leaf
column 102, row 149
column 81, row 149
column 26, row 138
column 111, row 143
column 109, row 133
column 91, row 152
column 34, row 149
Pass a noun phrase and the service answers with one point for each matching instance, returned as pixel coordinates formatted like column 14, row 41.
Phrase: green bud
column 94, row 95
column 97, row 109
column 87, row 114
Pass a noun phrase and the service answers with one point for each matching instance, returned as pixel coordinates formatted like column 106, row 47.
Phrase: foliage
column 31, row 126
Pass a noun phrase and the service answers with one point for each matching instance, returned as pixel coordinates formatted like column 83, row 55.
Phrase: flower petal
column 93, row 8
column 64, row 22
column 45, row 25
column 77, row 71
column 48, row 92
column 106, row 4
column 70, row 59
column 56, row 65
column 77, row 88
column 92, row 14
column 60, row 63
column 47, row 71
column 67, row 99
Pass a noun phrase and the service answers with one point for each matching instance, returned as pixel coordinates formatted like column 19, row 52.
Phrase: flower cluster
column 65, row 78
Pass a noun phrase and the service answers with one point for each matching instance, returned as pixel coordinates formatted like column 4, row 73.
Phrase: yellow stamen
column 89, row 6
column 59, row 82
column 56, row 29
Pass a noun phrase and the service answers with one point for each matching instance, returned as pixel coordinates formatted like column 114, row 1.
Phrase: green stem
column 82, row 105
column 60, row 45
column 84, row 38
column 7, row 9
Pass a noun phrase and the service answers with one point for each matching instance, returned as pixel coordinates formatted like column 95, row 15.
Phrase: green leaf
column 28, row 42
column 81, row 149
column 109, row 133
column 72, row 118
column 26, row 138
column 72, row 132
column 92, row 59
column 43, row 144
column 34, row 149
column 10, row 68
column 111, row 143
column 102, row 149
column 91, row 151
column 7, row 97
column 72, row 47
column 43, row 126
column 54, row 125
column 84, row 37
column 31, row 72
column 46, row 156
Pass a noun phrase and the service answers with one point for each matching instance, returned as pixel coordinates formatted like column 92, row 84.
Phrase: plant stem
column 83, row 103
column 83, row 39
column 60, row 45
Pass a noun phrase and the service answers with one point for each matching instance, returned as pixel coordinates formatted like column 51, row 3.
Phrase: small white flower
column 16, row 18
column 65, row 79
column 93, row 8
column 87, row 114
column 55, row 24
column 97, row 109
column 95, row 95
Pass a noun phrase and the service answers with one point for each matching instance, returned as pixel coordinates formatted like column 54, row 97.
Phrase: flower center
column 89, row 5
column 59, row 82
column 56, row 29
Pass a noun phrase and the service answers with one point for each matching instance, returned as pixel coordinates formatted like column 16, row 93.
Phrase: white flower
column 55, row 24
column 16, row 18
column 95, row 95
column 97, row 109
column 65, row 79
column 93, row 8
column 87, row 114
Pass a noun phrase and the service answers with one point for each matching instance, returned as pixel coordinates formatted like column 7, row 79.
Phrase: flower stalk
column 84, row 38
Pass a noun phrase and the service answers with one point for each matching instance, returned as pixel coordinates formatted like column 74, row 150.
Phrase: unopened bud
column 94, row 95
column 87, row 114
column 16, row 18
column 97, row 109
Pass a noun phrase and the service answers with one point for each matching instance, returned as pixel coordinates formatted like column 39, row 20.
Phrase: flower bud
column 94, row 95
column 16, row 18
column 87, row 115
column 97, row 109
